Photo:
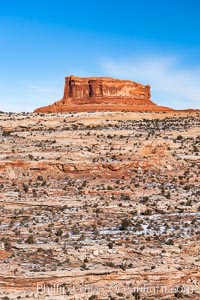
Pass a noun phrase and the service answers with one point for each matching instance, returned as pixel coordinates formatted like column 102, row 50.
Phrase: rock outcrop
column 103, row 94
column 100, row 205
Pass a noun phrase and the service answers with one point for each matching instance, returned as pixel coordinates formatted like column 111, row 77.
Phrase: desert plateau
column 99, row 150
column 100, row 205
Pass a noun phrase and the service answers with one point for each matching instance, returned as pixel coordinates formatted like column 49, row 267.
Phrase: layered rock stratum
column 101, row 205
column 103, row 94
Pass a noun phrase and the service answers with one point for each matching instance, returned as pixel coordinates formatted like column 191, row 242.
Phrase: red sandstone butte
column 102, row 94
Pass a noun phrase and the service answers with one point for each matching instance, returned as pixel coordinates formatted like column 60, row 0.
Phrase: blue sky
column 154, row 42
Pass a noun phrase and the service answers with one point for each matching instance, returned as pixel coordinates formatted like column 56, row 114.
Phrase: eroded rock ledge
column 103, row 94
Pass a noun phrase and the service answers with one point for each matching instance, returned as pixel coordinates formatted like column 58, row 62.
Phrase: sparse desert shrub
column 110, row 245
column 30, row 239
column 169, row 242
column 125, row 223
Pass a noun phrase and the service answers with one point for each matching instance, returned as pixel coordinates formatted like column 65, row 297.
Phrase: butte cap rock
column 102, row 94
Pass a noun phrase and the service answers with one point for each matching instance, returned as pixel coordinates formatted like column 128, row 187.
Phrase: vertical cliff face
column 102, row 94
column 102, row 87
